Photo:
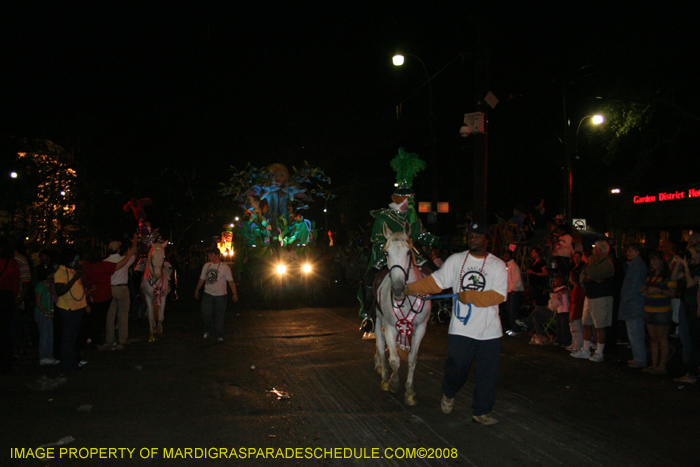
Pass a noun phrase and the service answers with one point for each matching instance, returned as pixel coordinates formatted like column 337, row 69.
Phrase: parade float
column 273, row 243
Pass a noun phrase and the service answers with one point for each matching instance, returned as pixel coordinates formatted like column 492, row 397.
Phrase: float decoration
column 272, row 199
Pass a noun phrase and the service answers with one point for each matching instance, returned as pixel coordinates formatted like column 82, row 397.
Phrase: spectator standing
column 516, row 292
column 9, row 290
column 121, row 301
column 435, row 258
column 563, row 251
column 71, row 305
column 214, row 277
column 577, row 263
column 576, row 313
column 632, row 305
column 616, row 333
column 559, row 303
column 518, row 218
column 658, row 290
column 45, row 294
column 25, row 276
column 598, row 279
column 537, row 277
column 690, row 267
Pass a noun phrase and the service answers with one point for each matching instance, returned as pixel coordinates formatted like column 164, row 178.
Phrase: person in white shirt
column 516, row 292
column 121, row 301
column 481, row 281
column 214, row 277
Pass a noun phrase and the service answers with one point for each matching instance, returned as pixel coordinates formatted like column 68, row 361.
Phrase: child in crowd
column 576, row 313
column 43, row 313
column 559, row 303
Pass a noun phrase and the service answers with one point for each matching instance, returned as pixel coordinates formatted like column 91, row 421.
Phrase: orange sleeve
column 425, row 286
column 481, row 299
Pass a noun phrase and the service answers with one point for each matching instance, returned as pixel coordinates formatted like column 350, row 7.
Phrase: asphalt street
column 296, row 386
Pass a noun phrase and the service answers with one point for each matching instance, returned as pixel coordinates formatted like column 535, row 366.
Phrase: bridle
column 404, row 320
column 412, row 265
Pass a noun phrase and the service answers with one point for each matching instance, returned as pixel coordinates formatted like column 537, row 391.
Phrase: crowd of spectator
column 587, row 301
column 68, row 303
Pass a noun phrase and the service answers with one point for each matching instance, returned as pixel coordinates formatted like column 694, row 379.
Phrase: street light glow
column 397, row 60
column 597, row 119
column 13, row 174
column 615, row 191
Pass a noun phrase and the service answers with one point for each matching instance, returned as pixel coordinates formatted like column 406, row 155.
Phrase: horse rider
column 401, row 212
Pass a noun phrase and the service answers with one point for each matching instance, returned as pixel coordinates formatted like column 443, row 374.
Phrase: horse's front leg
column 380, row 364
column 161, row 316
column 151, row 320
column 418, row 333
column 394, row 361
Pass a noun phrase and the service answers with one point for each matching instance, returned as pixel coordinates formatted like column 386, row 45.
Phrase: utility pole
column 481, row 88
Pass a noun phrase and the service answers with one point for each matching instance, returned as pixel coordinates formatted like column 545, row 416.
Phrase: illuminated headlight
column 306, row 268
column 281, row 269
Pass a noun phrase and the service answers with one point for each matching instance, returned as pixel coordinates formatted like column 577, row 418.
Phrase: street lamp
column 596, row 119
column 398, row 60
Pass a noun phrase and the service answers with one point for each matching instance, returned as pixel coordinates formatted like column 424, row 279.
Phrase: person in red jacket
column 9, row 290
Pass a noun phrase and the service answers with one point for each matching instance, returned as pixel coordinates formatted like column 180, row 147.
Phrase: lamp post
column 398, row 60
column 596, row 119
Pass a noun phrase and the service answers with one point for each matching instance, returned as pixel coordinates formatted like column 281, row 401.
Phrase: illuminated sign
column 667, row 196
column 425, row 206
column 443, row 207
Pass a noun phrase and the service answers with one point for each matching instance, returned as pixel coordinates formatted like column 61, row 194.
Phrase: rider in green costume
column 401, row 212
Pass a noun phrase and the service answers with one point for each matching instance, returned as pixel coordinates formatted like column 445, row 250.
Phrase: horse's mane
column 395, row 238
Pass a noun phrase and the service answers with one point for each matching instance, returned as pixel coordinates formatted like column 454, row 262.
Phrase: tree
column 46, row 199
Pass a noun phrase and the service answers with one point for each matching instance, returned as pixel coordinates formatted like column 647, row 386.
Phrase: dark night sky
column 204, row 87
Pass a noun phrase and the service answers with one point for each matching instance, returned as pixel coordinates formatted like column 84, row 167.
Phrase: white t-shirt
column 215, row 277
column 515, row 278
column 121, row 276
column 474, row 274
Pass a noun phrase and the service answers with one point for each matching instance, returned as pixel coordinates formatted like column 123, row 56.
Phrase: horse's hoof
column 385, row 386
column 151, row 339
column 394, row 389
column 411, row 400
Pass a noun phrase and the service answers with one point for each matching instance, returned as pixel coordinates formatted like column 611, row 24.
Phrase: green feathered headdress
column 406, row 165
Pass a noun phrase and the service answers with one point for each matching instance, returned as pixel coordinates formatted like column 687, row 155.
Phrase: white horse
column 401, row 320
column 155, row 286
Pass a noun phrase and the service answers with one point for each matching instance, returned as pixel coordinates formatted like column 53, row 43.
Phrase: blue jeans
column 213, row 309
column 636, row 333
column 461, row 352
column 45, row 335
column 70, row 327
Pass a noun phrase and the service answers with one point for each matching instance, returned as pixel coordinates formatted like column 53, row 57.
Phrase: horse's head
column 398, row 259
